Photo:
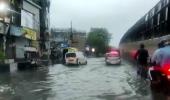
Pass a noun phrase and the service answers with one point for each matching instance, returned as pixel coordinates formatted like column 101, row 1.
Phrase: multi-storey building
column 24, row 25
column 68, row 37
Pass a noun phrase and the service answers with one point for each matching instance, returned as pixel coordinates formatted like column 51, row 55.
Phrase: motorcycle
column 160, row 77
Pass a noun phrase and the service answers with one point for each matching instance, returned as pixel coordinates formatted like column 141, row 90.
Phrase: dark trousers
column 142, row 70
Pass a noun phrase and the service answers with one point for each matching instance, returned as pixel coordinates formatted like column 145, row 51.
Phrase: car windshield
column 71, row 55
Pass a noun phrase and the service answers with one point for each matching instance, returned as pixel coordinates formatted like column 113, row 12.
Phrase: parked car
column 113, row 57
column 75, row 58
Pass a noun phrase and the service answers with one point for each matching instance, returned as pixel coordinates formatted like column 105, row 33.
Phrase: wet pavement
column 94, row 81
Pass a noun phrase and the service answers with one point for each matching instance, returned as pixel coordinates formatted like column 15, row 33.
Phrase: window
column 71, row 55
column 158, row 19
column 15, row 18
column 166, row 14
column 159, row 6
column 146, row 17
column 27, row 19
column 152, row 12
column 164, row 2
column 152, row 23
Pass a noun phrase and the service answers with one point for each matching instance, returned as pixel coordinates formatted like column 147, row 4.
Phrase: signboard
column 16, row 31
column 64, row 45
column 29, row 34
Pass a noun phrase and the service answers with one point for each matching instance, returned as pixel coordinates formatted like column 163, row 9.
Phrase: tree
column 99, row 38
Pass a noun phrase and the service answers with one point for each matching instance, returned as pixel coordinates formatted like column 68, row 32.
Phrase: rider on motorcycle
column 161, row 56
column 160, row 60
column 142, row 59
column 155, row 57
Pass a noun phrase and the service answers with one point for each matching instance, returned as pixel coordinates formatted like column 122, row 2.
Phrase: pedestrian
column 142, row 60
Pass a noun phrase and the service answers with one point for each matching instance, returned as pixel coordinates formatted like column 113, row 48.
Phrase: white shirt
column 161, row 56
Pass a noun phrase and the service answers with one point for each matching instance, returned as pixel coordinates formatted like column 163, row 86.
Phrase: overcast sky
column 115, row 15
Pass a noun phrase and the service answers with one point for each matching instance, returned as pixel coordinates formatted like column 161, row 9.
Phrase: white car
column 75, row 58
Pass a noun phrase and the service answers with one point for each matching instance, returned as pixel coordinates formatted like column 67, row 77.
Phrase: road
column 94, row 81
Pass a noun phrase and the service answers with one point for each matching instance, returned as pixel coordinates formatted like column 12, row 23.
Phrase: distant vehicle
column 66, row 50
column 75, row 58
column 113, row 57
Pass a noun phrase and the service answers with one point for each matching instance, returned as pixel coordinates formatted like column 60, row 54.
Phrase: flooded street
column 94, row 81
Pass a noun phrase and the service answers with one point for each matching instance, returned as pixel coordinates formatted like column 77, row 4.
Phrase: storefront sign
column 29, row 34
column 16, row 31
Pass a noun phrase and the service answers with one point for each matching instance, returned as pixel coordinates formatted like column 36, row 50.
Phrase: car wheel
column 86, row 63
column 120, row 63
column 78, row 62
column 107, row 63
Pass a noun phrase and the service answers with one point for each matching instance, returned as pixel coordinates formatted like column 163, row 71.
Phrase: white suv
column 75, row 58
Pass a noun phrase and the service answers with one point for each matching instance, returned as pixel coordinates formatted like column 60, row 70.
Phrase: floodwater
column 94, row 81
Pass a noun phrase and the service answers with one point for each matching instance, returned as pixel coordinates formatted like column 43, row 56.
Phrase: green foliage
column 99, row 38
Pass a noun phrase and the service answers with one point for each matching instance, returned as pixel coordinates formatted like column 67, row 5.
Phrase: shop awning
column 16, row 31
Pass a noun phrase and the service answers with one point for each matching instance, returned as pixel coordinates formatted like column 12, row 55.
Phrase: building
column 68, row 37
column 26, row 33
column 4, row 25
column 22, row 27
column 78, row 40
column 60, row 37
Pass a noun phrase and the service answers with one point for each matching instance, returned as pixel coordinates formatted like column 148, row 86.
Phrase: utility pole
column 71, row 33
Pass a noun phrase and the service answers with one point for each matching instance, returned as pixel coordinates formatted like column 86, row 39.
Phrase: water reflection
column 25, row 85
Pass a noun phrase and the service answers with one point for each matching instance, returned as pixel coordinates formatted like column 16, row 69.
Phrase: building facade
column 68, row 37
column 22, row 28
column 78, row 40
column 60, row 38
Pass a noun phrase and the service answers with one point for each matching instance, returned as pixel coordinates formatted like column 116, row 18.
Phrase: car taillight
column 168, row 76
column 115, row 53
